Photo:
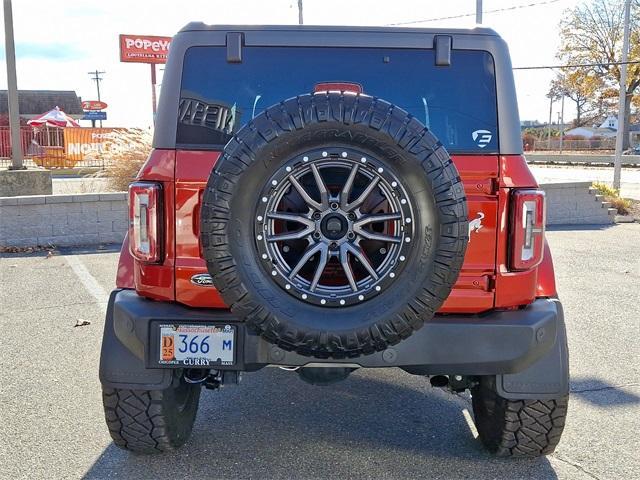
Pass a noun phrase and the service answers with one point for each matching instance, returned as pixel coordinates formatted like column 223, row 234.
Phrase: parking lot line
column 88, row 281
column 470, row 422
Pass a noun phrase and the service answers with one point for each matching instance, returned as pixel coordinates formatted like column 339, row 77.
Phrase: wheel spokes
column 363, row 196
column 324, row 193
column 344, row 261
column 304, row 208
column 324, row 254
column 361, row 256
column 348, row 185
column 376, row 217
column 305, row 258
column 368, row 235
column 358, row 227
column 308, row 229
column 303, row 193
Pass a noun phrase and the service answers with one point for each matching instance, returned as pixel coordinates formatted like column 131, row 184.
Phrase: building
column 33, row 103
column 607, row 129
column 590, row 132
column 610, row 122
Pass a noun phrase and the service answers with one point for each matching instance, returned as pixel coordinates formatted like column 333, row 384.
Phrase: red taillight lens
column 145, row 220
column 527, row 229
column 337, row 87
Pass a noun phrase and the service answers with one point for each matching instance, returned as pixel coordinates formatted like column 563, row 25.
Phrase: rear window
column 457, row 102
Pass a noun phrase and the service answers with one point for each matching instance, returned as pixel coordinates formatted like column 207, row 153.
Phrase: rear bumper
column 504, row 343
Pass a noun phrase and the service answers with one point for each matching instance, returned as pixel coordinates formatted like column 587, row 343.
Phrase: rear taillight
column 527, row 229
column 145, row 220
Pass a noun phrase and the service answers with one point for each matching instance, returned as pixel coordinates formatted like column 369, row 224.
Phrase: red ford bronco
column 332, row 198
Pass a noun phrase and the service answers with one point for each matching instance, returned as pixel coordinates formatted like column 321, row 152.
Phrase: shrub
column 612, row 195
column 127, row 152
column 621, row 204
column 606, row 190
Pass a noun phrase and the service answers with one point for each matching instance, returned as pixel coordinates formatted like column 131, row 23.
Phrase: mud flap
column 120, row 368
column 547, row 378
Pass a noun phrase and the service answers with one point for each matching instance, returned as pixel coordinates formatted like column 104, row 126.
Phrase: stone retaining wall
column 576, row 203
column 63, row 220
column 101, row 218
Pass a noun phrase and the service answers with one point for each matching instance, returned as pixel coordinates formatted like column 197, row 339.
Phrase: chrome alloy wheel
column 333, row 227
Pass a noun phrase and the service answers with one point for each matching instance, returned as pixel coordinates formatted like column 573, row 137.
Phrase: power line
column 497, row 10
column 605, row 64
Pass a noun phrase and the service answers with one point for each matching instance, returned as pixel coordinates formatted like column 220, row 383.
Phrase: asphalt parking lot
column 377, row 424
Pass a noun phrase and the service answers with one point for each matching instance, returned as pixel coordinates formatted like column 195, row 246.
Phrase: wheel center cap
column 334, row 226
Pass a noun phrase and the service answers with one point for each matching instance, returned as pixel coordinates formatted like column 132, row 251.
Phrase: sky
column 59, row 42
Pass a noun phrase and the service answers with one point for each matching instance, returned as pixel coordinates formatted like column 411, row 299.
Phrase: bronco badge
column 202, row 280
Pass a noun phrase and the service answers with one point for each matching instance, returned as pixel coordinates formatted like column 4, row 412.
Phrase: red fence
column 48, row 147
column 570, row 144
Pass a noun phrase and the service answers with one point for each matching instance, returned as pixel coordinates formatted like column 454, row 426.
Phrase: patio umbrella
column 53, row 118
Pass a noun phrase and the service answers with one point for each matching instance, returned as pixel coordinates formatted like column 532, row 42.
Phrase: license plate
column 196, row 345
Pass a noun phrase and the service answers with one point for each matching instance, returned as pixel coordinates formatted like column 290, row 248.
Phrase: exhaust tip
column 196, row 375
column 439, row 381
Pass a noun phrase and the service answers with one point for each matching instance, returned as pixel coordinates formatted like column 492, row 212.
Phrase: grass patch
column 127, row 153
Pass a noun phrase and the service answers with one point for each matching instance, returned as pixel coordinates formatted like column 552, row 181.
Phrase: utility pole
column 622, row 101
column 479, row 12
column 97, row 78
column 154, row 105
column 561, row 122
column 550, row 112
column 300, row 22
column 12, row 89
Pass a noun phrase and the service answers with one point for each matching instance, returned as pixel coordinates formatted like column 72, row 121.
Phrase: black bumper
column 526, row 348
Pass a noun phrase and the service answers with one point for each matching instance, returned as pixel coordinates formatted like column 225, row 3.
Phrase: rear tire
column 517, row 428
column 151, row 421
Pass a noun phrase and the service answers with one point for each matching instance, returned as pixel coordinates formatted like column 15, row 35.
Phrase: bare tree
column 592, row 33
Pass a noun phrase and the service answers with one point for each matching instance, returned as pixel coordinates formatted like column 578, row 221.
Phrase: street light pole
column 622, row 101
column 300, row 22
column 479, row 12
column 12, row 89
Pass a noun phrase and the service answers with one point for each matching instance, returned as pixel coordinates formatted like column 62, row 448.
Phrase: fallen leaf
column 82, row 323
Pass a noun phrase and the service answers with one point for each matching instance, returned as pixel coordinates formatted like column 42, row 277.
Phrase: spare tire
column 335, row 224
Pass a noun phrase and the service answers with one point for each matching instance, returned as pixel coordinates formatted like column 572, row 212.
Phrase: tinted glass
column 457, row 102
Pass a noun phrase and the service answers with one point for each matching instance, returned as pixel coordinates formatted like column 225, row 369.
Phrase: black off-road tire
column 517, row 428
column 151, row 421
column 311, row 122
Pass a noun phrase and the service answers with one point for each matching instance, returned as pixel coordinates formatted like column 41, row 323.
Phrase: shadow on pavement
column 601, row 393
column 565, row 228
column 43, row 252
column 378, row 423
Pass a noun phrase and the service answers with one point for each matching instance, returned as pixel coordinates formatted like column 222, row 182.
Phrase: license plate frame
column 217, row 354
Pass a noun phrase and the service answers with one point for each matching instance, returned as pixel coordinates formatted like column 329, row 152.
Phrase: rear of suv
column 324, row 199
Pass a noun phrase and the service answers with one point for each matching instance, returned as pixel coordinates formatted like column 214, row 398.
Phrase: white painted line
column 470, row 422
column 88, row 281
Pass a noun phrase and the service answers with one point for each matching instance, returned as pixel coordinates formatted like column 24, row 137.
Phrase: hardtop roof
column 203, row 27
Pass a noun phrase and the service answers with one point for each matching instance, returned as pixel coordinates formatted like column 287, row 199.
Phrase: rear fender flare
column 546, row 284
column 124, row 275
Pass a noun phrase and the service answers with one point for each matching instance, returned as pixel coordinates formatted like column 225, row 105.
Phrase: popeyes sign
column 144, row 48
